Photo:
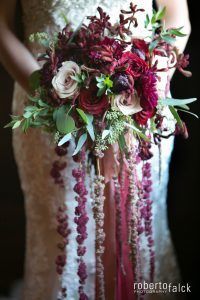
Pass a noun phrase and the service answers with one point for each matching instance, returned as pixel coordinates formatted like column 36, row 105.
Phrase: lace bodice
column 46, row 15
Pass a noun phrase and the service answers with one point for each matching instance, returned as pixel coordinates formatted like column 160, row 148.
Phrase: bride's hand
column 15, row 57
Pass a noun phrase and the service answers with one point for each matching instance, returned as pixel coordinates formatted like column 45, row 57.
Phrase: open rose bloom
column 127, row 105
column 63, row 83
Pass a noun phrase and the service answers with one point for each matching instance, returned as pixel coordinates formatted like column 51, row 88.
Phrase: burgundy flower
column 182, row 63
column 140, row 47
column 62, row 150
column 122, row 82
column 147, row 91
column 99, row 24
column 135, row 65
column 182, row 130
column 143, row 116
column 92, row 104
column 46, row 75
column 105, row 54
column 110, row 47
column 145, row 151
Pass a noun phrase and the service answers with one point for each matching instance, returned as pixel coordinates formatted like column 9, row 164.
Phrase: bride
column 34, row 156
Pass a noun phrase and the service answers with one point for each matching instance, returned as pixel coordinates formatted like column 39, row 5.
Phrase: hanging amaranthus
column 98, row 205
column 81, row 220
column 132, row 209
column 118, row 218
column 63, row 231
column 147, row 188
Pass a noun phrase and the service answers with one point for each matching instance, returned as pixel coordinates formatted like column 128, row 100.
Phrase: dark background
column 184, row 185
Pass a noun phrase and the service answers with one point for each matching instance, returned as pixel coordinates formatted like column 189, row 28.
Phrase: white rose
column 64, row 85
column 128, row 106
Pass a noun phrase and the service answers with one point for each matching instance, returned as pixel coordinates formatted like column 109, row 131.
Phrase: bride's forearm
column 15, row 57
column 177, row 15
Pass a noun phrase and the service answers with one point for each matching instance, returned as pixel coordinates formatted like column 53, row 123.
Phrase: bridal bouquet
column 98, row 87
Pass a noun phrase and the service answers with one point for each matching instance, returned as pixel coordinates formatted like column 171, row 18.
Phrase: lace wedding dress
column 34, row 153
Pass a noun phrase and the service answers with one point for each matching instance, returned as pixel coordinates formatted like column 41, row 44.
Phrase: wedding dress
column 34, row 153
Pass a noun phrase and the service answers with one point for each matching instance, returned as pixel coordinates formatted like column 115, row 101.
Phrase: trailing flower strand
column 98, row 205
column 61, row 260
column 132, row 206
column 147, row 188
column 81, row 220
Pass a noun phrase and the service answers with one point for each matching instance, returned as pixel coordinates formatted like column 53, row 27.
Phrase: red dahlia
column 147, row 91
column 135, row 65
column 143, row 116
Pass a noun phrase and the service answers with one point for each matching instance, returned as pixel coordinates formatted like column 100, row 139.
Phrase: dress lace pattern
column 34, row 155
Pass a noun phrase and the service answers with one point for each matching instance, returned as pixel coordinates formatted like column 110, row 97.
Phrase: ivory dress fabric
column 34, row 153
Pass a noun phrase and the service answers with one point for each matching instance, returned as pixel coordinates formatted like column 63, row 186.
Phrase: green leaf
column 36, row 114
column 176, row 115
column 70, row 124
column 27, row 114
column 25, row 124
column 147, row 21
column 138, row 132
column 101, row 91
column 100, row 85
column 104, row 84
column 122, row 142
column 153, row 45
column 90, row 118
column 108, row 82
column 33, row 99
column 189, row 112
column 83, row 115
column 64, row 122
column 42, row 104
column 90, row 130
column 43, row 112
column 105, row 133
column 176, row 32
column 153, row 19
column 160, row 14
column 168, row 39
column 99, row 79
column 184, row 106
column 133, row 126
column 63, row 16
column 80, row 143
column 83, row 76
column 30, row 108
column 152, row 124
column 34, row 80
column 65, row 139
column 10, row 124
column 55, row 114
column 17, row 124
column 174, row 102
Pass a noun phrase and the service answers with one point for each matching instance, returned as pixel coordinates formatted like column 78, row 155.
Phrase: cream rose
column 63, row 83
column 128, row 106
